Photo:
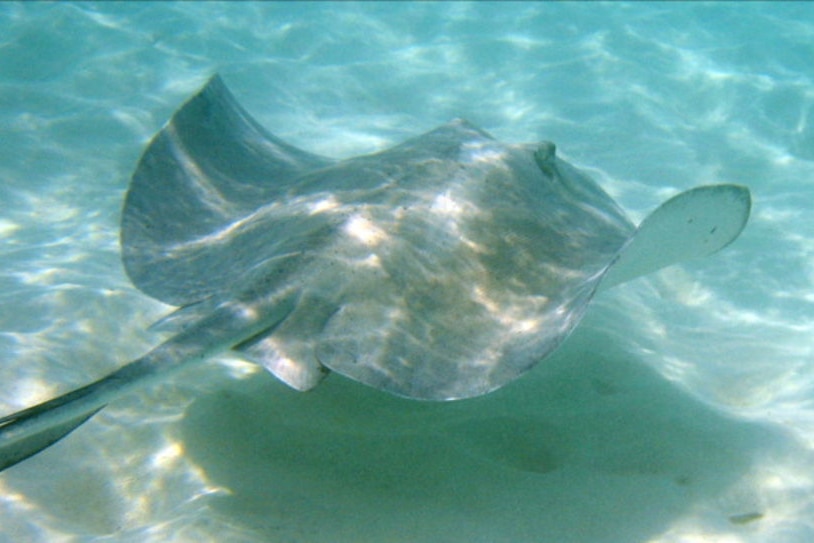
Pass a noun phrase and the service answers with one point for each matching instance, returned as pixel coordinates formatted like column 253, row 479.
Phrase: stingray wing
column 202, row 176
column 692, row 224
column 441, row 268
column 478, row 264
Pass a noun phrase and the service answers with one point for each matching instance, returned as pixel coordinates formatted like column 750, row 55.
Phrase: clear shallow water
column 681, row 410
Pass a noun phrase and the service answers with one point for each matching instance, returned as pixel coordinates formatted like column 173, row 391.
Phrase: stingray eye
column 546, row 158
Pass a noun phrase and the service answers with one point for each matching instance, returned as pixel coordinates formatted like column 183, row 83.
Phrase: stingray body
column 439, row 269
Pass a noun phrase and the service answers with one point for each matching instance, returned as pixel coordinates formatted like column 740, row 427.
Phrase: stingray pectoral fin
column 694, row 223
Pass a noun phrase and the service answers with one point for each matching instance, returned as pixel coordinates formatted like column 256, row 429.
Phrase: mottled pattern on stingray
column 441, row 268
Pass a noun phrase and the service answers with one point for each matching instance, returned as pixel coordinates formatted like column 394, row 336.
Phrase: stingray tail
column 27, row 432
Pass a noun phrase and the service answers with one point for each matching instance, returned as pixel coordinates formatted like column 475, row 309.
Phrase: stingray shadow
column 591, row 446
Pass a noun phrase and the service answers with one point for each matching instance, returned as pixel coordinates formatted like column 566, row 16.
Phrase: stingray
column 439, row 269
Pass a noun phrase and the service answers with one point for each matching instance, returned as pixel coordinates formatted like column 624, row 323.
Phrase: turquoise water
column 680, row 411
